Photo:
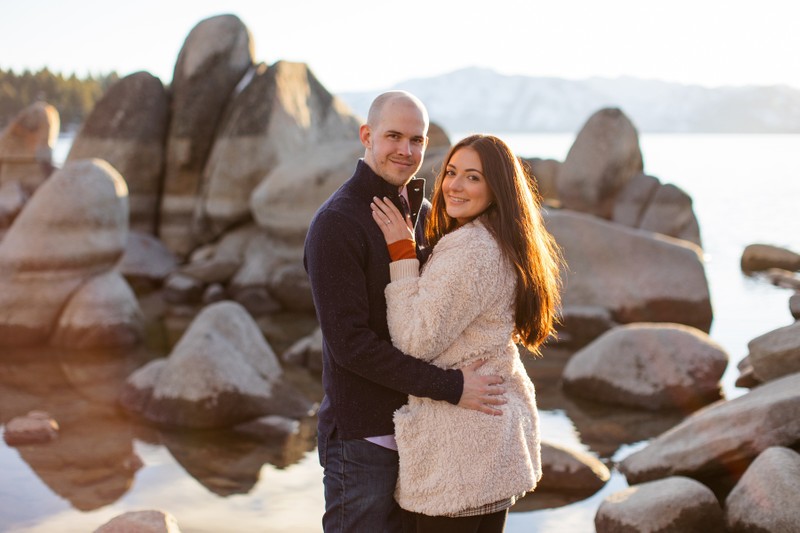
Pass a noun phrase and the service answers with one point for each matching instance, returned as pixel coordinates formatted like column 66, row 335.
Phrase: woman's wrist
column 402, row 249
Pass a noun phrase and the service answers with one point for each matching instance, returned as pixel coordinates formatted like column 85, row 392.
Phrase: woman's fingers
column 391, row 222
column 387, row 208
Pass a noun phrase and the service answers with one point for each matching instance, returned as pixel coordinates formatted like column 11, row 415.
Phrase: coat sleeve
column 335, row 257
column 428, row 311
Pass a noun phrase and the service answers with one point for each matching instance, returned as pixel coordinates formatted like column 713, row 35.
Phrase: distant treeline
column 73, row 97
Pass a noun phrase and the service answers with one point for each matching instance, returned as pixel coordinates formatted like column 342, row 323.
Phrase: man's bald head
column 395, row 98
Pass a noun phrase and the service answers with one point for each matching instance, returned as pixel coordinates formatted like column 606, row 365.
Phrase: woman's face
column 464, row 189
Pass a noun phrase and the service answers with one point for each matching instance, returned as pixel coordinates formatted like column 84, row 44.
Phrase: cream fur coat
column 458, row 310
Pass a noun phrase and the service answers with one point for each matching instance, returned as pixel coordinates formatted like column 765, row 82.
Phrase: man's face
column 395, row 145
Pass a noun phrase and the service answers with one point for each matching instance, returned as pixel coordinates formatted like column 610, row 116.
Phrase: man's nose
column 404, row 147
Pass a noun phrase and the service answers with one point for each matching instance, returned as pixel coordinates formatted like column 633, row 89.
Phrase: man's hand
column 481, row 392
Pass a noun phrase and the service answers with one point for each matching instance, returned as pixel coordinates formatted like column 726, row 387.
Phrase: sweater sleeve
column 335, row 253
column 428, row 311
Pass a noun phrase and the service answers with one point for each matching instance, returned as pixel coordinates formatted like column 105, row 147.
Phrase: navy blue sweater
column 365, row 378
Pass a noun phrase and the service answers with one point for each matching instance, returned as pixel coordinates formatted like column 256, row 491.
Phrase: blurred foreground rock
column 127, row 128
column 222, row 372
column 141, row 522
column 214, row 57
column 58, row 280
column 26, row 146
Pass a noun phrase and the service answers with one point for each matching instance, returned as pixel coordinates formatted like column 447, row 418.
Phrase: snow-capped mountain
column 477, row 99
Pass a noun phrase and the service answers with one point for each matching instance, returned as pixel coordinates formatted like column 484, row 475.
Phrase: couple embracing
column 429, row 419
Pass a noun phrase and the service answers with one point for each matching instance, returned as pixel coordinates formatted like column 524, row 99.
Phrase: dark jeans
column 487, row 523
column 359, row 479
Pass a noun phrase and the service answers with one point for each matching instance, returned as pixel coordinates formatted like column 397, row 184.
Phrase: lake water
column 746, row 189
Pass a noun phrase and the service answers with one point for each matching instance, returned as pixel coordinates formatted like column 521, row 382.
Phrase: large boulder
column 544, row 173
column 670, row 213
column 635, row 275
column 651, row 366
column 216, row 54
column 127, row 128
column 766, row 497
column 603, row 158
column 222, row 372
column 283, row 205
column 281, row 111
column 72, row 229
column 724, row 437
column 285, row 201
column 644, row 202
column 775, row 353
column 672, row 505
column 26, row 146
column 633, row 199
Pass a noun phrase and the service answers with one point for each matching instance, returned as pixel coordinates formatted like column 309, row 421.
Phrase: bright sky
column 360, row 45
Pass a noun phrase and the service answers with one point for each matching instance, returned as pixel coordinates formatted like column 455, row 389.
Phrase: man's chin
column 399, row 179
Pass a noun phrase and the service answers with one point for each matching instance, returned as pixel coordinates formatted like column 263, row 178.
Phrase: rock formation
column 71, row 231
column 650, row 366
column 222, row 372
column 604, row 158
column 26, row 146
column 127, row 128
column 216, row 54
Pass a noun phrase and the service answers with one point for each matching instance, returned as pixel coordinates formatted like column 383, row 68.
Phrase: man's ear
column 365, row 134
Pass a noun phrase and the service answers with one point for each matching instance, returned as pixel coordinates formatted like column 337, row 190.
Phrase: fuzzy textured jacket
column 458, row 310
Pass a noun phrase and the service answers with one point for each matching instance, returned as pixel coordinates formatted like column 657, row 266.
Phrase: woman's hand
column 391, row 222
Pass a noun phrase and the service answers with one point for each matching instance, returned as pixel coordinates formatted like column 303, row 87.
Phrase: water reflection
column 229, row 462
column 604, row 429
column 92, row 463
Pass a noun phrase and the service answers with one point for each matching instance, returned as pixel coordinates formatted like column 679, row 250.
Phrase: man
column 365, row 378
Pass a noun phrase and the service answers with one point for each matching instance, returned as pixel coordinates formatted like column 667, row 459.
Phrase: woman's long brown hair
column 515, row 220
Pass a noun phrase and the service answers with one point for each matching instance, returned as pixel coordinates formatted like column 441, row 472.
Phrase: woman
column 491, row 281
